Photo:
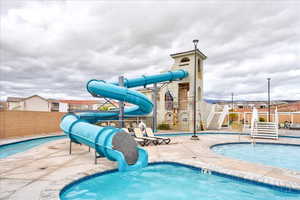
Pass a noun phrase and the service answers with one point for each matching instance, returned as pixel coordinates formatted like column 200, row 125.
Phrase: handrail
column 254, row 120
column 211, row 115
column 276, row 121
column 222, row 116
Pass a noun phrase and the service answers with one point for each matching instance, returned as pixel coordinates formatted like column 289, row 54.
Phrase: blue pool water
column 277, row 155
column 17, row 147
column 169, row 181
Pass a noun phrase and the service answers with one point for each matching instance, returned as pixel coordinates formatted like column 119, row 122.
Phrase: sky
column 52, row 48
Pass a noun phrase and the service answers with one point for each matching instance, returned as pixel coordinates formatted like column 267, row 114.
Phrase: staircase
column 265, row 130
column 213, row 125
column 268, row 130
column 216, row 118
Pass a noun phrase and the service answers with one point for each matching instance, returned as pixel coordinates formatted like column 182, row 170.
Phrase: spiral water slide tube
column 111, row 142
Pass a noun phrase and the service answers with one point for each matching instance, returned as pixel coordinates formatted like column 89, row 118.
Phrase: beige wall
column 35, row 103
column 22, row 123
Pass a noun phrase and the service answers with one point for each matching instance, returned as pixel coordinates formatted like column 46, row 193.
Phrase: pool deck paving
column 41, row 172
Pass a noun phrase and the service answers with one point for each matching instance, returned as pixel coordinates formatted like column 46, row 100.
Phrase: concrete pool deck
column 41, row 172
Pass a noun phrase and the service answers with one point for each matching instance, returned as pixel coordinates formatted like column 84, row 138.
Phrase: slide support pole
column 121, row 105
column 70, row 147
column 154, row 114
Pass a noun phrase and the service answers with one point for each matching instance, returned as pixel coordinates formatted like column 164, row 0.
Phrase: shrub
column 233, row 116
column 163, row 127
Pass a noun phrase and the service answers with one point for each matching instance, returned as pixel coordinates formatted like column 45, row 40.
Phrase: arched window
column 199, row 93
column 168, row 101
column 185, row 59
column 199, row 69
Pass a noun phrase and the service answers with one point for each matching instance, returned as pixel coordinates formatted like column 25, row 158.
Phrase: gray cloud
column 53, row 48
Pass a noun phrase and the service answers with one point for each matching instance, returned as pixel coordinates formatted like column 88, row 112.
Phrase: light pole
column 269, row 103
column 194, row 136
column 232, row 109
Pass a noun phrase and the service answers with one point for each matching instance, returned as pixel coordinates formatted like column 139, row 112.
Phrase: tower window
column 185, row 59
column 199, row 93
column 199, row 69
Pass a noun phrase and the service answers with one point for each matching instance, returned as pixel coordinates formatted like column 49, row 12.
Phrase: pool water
column 17, row 147
column 169, row 181
column 277, row 155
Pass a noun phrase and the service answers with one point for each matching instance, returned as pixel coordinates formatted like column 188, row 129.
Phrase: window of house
column 168, row 101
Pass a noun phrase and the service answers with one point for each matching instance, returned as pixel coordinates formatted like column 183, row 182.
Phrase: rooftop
column 188, row 53
column 14, row 99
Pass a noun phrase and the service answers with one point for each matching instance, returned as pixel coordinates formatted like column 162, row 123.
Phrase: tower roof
column 185, row 53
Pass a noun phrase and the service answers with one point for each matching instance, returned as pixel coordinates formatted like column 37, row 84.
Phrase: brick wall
column 23, row 123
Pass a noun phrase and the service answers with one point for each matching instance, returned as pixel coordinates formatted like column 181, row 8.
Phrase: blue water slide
column 112, row 142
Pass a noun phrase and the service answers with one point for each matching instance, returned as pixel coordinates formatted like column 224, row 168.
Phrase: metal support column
column 194, row 136
column 154, row 114
column 70, row 147
column 121, row 105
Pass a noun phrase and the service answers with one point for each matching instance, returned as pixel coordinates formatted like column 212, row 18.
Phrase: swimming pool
column 277, row 155
column 21, row 146
column 170, row 181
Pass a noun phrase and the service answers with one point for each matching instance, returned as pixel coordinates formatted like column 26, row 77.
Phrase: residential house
column 38, row 103
column 32, row 103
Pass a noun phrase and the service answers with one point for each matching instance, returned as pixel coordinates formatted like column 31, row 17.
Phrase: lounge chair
column 126, row 130
column 161, row 140
column 148, row 140
column 138, row 140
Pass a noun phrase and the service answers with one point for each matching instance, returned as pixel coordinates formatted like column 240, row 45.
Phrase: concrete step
column 267, row 133
column 266, row 125
column 266, row 122
column 265, row 129
column 265, row 136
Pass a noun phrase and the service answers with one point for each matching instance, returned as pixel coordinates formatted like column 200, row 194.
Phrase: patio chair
column 161, row 140
column 148, row 140
column 138, row 140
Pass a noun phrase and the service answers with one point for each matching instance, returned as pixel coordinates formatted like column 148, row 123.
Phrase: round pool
column 277, row 155
column 171, row 181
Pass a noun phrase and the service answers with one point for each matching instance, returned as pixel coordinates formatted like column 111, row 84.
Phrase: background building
column 38, row 103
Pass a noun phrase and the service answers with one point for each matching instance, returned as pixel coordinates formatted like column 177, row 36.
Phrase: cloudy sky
column 52, row 48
